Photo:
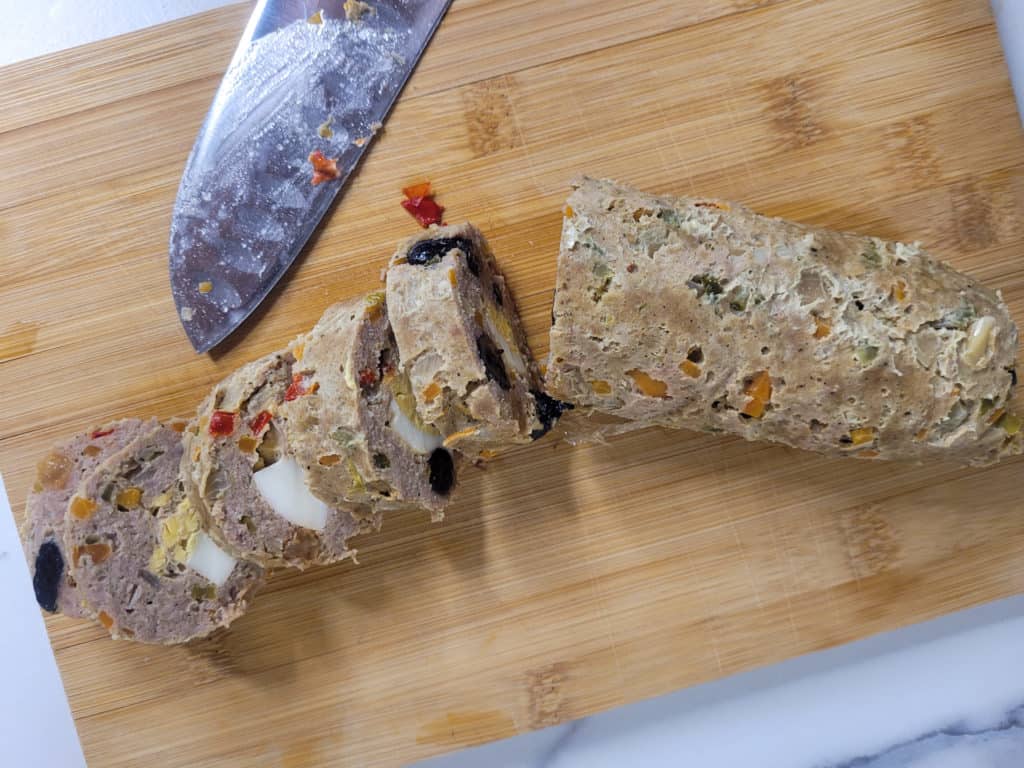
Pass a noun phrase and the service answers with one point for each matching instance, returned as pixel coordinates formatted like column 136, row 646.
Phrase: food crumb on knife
column 324, row 168
column 356, row 9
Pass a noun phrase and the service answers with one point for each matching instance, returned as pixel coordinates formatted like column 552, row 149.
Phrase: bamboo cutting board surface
column 565, row 580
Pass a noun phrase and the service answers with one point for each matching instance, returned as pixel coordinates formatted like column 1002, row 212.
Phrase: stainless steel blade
column 246, row 204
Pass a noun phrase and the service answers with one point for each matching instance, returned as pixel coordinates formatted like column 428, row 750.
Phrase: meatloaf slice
column 356, row 432
column 139, row 553
column 57, row 476
column 239, row 473
column 461, row 343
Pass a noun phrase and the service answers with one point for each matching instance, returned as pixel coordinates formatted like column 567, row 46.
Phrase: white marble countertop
column 945, row 694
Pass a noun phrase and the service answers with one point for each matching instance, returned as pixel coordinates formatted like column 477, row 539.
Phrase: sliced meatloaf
column 58, row 474
column 139, row 554
column 240, row 474
column 461, row 344
column 356, row 432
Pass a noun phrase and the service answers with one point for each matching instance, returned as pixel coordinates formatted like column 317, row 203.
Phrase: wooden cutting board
column 565, row 580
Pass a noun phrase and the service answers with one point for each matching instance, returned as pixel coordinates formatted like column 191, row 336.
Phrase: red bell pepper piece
column 258, row 423
column 417, row 190
column 298, row 387
column 222, row 423
column 424, row 210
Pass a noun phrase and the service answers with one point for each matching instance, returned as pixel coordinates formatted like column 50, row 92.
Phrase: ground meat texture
column 357, row 434
column 701, row 314
column 461, row 343
column 57, row 475
column 238, row 431
column 131, row 531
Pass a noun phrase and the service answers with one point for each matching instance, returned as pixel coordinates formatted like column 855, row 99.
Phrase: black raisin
column 548, row 411
column 384, row 364
column 859, row 304
column 493, row 364
column 380, row 461
column 498, row 299
column 695, row 355
column 1013, row 376
column 48, row 576
column 427, row 252
column 442, row 471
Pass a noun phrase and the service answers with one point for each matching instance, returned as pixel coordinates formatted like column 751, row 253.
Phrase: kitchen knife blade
column 303, row 78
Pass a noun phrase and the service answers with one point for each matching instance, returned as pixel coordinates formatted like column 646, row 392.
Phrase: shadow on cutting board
column 410, row 572
column 653, row 509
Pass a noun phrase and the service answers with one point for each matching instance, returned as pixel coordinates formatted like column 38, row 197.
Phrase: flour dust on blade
column 298, row 106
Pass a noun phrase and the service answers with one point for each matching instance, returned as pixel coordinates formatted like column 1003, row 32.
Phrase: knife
column 303, row 80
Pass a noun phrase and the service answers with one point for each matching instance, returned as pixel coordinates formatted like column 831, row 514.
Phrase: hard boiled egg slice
column 209, row 560
column 284, row 489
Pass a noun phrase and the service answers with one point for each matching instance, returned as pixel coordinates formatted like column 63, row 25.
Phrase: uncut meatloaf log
column 240, row 474
column 139, row 554
column 57, row 476
column 702, row 314
column 461, row 344
column 356, row 433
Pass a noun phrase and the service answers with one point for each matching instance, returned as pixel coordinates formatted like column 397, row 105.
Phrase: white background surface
column 945, row 694
column 32, row 28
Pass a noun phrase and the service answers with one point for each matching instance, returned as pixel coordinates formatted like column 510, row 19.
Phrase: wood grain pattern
column 564, row 581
